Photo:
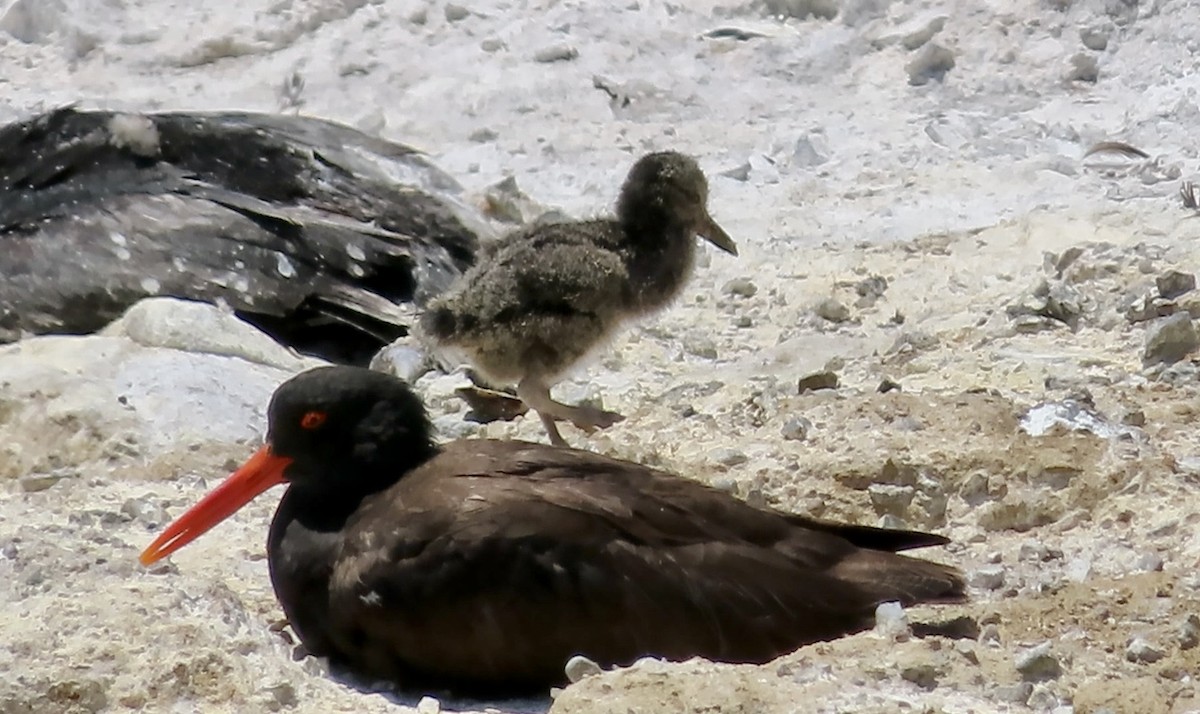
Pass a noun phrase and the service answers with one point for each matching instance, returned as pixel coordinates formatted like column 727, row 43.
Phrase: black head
column 667, row 190
column 353, row 421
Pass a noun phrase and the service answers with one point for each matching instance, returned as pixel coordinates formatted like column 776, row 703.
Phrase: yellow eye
column 313, row 419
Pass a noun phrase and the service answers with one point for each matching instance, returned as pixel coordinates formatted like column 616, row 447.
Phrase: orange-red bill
column 262, row 471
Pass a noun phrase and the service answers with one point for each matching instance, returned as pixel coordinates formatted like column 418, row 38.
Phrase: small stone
column 39, row 482
column 891, row 498
column 738, row 173
column 832, row 310
column 1140, row 650
column 146, row 510
column 483, row 135
column 924, row 675
column 1079, row 569
column 428, row 705
column 1094, row 38
column 741, row 287
column 743, row 321
column 1150, row 563
column 1083, row 67
column 283, row 696
column 1170, row 340
column 402, row 359
column 1041, row 699
column 561, row 52
column 989, row 577
column 796, row 428
column 1189, row 632
column 728, row 457
column 455, row 12
column 579, row 667
column 931, row 63
column 922, row 31
column 888, row 385
column 873, row 286
column 419, row 16
column 492, row 44
column 1037, row 664
column 1017, row 693
column 1174, row 283
column 891, row 621
column 700, row 346
column 817, row 381
column 967, row 649
column 805, row 154
column 1133, row 417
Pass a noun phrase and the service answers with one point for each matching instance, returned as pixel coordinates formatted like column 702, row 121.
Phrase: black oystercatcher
column 544, row 297
column 483, row 566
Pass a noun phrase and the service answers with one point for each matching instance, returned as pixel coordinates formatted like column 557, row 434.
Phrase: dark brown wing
column 498, row 561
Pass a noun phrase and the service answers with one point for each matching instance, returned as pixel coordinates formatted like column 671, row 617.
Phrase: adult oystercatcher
column 482, row 566
column 542, row 298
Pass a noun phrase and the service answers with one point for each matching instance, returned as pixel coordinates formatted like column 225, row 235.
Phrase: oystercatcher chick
column 544, row 297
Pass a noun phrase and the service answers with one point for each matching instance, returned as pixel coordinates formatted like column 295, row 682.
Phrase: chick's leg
column 534, row 391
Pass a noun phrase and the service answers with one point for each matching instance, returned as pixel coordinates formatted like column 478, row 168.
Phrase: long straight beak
column 262, row 471
column 710, row 231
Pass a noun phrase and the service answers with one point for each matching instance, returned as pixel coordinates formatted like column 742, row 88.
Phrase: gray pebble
column 561, row 52
column 804, row 154
column 1083, row 67
column 1037, row 664
column 453, row 426
column 1018, row 693
column 873, row 286
column 891, row 498
column 484, row 135
column 492, row 44
column 1189, row 632
column 1171, row 339
column 1174, row 283
column 455, row 12
column 817, row 381
column 1079, row 569
column 989, row 577
column 796, row 428
column 1150, row 563
column 1094, row 38
column 832, row 310
column 39, row 482
column 743, row 321
column 741, row 287
column 402, row 359
column 1041, row 699
column 728, row 457
column 931, row 63
column 579, row 667
column 924, row 676
column 891, row 621
column 738, row 173
column 700, row 346
column 888, row 385
column 146, row 510
column 1140, row 650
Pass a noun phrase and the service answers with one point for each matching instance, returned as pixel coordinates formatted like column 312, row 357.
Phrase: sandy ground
column 1020, row 288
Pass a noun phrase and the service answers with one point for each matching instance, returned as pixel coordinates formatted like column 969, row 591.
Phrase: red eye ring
column 312, row 420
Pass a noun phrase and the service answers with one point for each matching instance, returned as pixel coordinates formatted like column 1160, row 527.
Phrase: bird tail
column 891, row 577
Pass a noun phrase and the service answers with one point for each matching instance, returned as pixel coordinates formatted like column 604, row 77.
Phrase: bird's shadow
column 449, row 702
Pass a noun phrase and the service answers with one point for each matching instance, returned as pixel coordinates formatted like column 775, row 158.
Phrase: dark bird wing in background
column 311, row 230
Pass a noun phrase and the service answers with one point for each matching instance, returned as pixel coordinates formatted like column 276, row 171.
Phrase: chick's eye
column 312, row 420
